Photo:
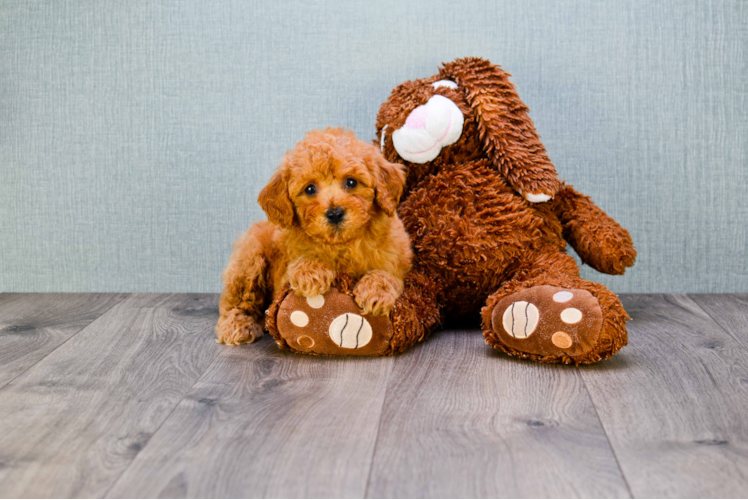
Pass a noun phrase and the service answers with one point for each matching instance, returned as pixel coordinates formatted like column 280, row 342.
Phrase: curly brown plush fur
column 472, row 231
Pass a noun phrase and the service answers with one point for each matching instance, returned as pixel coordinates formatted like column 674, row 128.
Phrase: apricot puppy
column 331, row 209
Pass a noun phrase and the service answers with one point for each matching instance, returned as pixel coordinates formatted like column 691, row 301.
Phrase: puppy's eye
column 351, row 183
column 311, row 189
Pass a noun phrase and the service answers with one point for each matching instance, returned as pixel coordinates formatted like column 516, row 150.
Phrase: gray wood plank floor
column 462, row 420
column 31, row 329
column 674, row 404
column 71, row 424
column 120, row 396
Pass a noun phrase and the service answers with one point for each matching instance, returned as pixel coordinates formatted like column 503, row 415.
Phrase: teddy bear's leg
column 332, row 324
column 547, row 313
column 417, row 313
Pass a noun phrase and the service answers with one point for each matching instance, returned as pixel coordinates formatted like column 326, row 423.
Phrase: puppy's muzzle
column 335, row 215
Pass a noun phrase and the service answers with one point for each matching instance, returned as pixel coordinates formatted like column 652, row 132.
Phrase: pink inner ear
column 417, row 118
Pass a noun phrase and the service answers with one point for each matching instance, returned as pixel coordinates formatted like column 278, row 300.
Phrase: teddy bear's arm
column 598, row 239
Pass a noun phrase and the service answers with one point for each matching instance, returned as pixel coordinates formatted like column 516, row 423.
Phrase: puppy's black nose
column 335, row 215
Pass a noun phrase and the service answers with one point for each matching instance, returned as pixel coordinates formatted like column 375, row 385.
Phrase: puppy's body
column 331, row 209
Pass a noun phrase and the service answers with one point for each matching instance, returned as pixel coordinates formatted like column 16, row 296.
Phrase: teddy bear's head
column 468, row 111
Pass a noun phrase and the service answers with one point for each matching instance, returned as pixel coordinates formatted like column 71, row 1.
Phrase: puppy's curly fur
column 331, row 209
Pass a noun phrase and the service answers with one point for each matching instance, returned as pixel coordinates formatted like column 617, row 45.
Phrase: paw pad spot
column 563, row 296
column 520, row 319
column 316, row 301
column 571, row 316
column 305, row 342
column 299, row 318
column 562, row 340
column 350, row 331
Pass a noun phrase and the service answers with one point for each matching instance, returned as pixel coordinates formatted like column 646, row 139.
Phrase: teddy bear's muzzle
column 428, row 129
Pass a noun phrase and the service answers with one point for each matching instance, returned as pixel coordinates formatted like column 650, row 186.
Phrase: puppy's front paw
column 374, row 302
column 237, row 328
column 377, row 292
column 310, row 285
column 309, row 278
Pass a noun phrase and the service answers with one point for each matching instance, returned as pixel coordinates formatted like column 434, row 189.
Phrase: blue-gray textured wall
column 135, row 136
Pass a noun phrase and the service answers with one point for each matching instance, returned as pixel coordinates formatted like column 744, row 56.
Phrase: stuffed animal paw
column 331, row 324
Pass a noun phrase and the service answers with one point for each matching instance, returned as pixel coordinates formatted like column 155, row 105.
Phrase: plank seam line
column 714, row 320
column 379, row 428
column 198, row 379
column 605, row 432
column 68, row 339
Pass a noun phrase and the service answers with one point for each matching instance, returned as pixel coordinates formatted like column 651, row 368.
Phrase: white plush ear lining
column 537, row 198
column 381, row 141
column 444, row 83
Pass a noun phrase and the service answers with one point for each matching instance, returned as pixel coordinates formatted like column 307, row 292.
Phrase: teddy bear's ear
column 507, row 131
column 275, row 201
column 389, row 181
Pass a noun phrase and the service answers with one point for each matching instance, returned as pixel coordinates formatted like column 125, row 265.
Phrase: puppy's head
column 331, row 186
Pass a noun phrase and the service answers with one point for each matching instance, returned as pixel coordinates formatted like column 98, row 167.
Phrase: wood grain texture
column 71, row 424
column 33, row 325
column 674, row 402
column 730, row 311
column 462, row 420
column 142, row 402
column 266, row 423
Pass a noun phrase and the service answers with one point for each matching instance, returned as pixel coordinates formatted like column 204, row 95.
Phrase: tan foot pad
column 332, row 324
column 549, row 321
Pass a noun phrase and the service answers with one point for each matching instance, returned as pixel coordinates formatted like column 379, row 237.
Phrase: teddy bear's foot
column 547, row 323
column 330, row 324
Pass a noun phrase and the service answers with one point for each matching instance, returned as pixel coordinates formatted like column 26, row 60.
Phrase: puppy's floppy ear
column 508, row 134
column 389, row 181
column 275, row 201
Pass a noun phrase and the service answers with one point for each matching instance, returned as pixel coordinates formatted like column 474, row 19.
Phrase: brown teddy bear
column 489, row 221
